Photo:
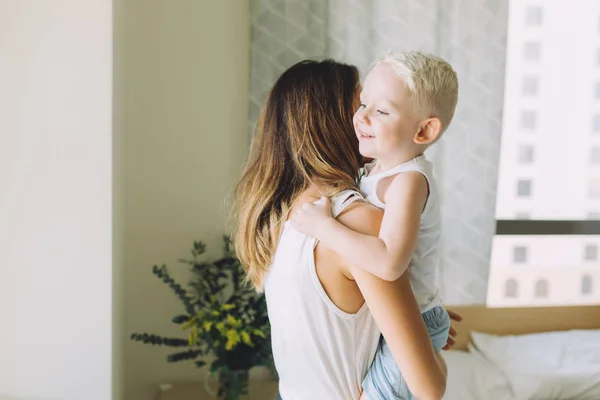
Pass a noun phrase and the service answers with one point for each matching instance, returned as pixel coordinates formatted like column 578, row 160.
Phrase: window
column 534, row 16
column 525, row 154
column 511, row 289
column 545, row 220
column 596, row 124
column 591, row 252
column 529, row 120
column 595, row 155
column 529, row 87
column 524, row 188
column 541, row 289
column 519, row 254
column 532, row 51
column 587, row 286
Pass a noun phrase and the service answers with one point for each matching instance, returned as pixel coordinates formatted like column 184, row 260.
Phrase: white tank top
column 423, row 265
column 320, row 351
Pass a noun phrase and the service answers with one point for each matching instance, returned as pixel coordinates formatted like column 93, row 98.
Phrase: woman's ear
column 429, row 131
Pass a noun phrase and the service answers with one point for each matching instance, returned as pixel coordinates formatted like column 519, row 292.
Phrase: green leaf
column 214, row 283
column 159, row 340
column 183, row 356
column 181, row 319
column 199, row 247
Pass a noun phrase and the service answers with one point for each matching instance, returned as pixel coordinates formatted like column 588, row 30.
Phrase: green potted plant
column 224, row 318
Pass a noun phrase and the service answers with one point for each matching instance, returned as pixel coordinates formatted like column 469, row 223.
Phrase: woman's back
column 320, row 351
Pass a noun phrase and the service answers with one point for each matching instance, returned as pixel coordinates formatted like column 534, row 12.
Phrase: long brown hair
column 304, row 136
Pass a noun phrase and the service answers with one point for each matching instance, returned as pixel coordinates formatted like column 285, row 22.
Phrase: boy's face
column 385, row 123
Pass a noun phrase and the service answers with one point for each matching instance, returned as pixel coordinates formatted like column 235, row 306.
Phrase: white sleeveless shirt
column 320, row 351
column 423, row 265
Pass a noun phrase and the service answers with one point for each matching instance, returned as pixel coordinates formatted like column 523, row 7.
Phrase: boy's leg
column 384, row 380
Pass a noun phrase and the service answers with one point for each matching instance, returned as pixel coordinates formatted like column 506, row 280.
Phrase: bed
column 525, row 354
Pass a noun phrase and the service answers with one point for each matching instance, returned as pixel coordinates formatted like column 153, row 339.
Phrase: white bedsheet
column 472, row 377
column 544, row 366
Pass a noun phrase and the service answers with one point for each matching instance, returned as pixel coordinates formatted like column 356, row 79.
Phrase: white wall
column 55, row 199
column 182, row 79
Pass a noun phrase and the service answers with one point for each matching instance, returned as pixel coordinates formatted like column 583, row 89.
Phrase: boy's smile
column 385, row 122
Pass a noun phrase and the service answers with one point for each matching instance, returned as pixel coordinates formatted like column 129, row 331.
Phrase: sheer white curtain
column 471, row 35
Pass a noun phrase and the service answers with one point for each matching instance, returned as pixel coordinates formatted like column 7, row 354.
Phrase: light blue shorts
column 384, row 380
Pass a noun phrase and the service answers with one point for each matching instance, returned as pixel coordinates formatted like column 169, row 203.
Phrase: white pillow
column 472, row 377
column 547, row 366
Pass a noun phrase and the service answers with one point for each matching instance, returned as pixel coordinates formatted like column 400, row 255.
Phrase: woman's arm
column 395, row 311
column 397, row 314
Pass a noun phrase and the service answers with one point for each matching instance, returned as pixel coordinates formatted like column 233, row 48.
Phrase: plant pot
column 232, row 384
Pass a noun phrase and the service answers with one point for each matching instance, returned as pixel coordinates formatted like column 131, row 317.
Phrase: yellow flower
column 246, row 338
column 215, row 313
column 191, row 322
column 228, row 307
column 233, row 321
column 193, row 336
column 220, row 327
column 233, row 338
column 259, row 333
column 207, row 325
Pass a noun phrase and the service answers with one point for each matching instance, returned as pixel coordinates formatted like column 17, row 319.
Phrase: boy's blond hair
column 431, row 80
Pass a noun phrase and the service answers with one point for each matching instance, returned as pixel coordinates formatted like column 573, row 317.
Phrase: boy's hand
column 452, row 334
column 311, row 218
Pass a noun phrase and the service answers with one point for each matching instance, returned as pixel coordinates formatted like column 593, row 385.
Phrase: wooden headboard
column 516, row 321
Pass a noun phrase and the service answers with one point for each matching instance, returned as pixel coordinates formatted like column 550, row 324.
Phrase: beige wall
column 55, row 199
column 181, row 81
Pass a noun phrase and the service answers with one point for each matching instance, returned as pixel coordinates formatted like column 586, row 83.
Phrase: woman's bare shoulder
column 362, row 217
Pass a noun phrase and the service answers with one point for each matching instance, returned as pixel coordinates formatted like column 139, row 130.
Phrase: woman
column 324, row 336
